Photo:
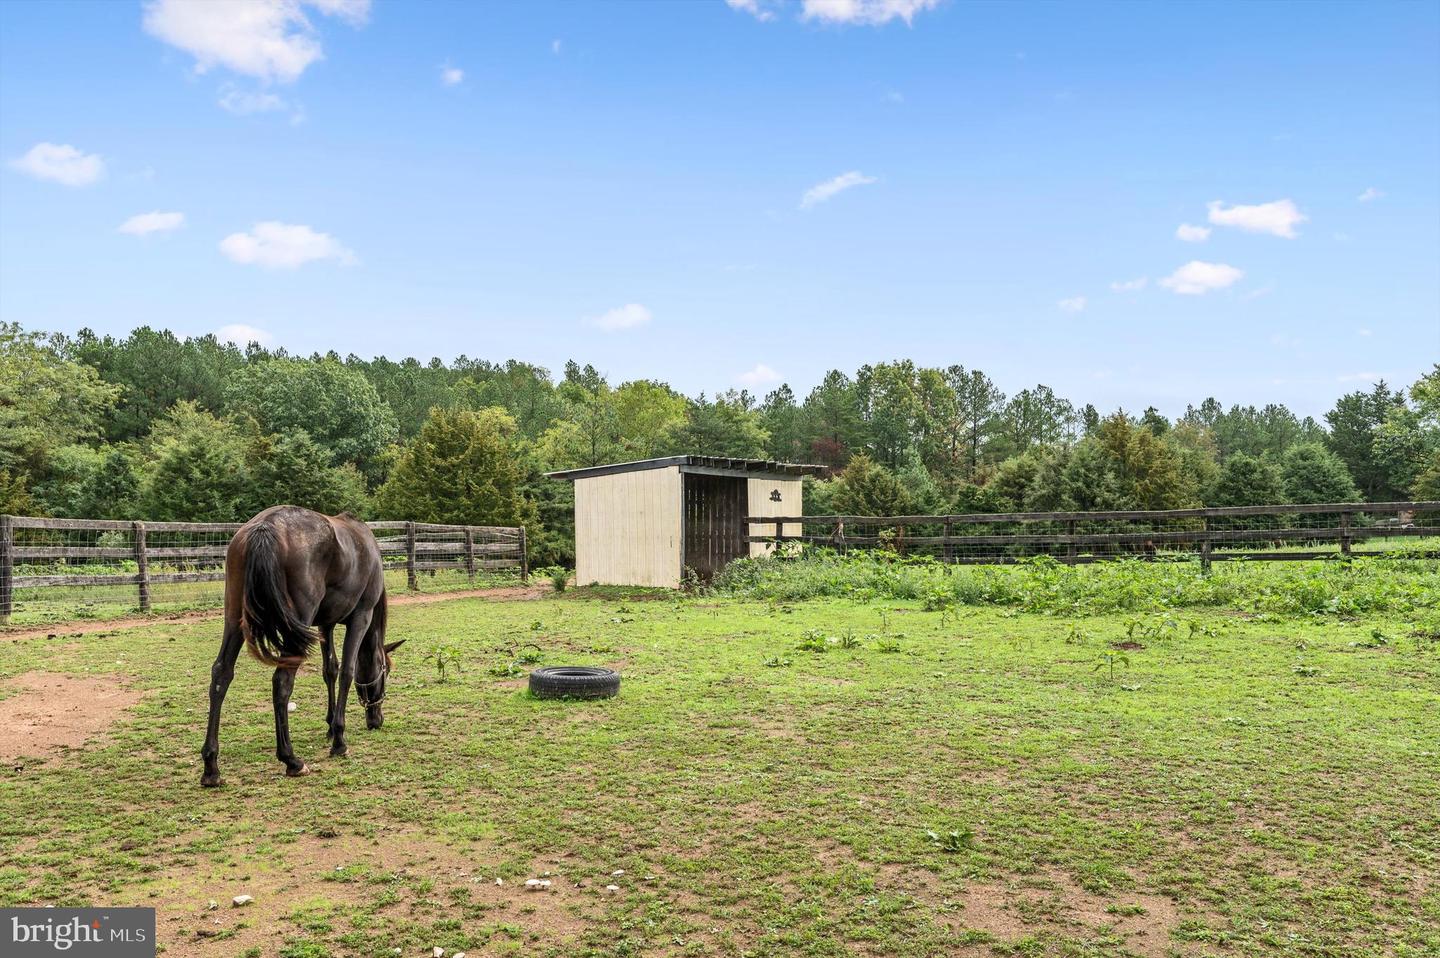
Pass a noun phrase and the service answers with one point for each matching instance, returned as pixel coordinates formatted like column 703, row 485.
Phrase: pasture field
column 863, row 774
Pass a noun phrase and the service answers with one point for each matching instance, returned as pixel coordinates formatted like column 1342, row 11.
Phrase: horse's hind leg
column 220, row 675
column 282, row 685
column 332, row 672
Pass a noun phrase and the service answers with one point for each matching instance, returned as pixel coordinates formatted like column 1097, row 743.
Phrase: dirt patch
column 350, row 881
column 50, row 711
column 86, row 627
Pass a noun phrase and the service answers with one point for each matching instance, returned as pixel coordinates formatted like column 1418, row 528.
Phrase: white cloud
column 752, row 7
column 761, row 375
column 143, row 224
column 629, row 316
column 242, row 335
column 276, row 245
column 61, row 163
column 1192, row 234
column 1278, row 218
column 245, row 102
column 821, row 192
column 1129, row 285
column 267, row 39
column 1358, row 377
column 452, row 76
column 1364, row 331
column 1371, row 193
column 1196, row 278
column 555, row 47
column 1074, row 304
column 869, row 12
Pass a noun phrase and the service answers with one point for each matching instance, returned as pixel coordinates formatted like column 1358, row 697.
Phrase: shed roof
column 713, row 464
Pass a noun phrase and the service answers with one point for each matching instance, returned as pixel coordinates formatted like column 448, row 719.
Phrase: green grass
column 42, row 606
column 1247, row 783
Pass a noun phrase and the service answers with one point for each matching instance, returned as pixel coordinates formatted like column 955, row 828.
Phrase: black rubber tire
column 574, row 682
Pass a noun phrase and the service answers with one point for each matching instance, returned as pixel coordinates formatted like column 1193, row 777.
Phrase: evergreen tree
column 464, row 468
column 1246, row 481
column 1312, row 473
column 867, row 488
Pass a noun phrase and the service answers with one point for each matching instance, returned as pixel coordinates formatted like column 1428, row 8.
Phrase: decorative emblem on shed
column 774, row 495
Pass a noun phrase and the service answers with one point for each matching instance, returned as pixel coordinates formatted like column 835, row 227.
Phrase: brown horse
column 291, row 576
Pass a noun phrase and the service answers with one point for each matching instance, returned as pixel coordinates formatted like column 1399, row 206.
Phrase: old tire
column 574, row 682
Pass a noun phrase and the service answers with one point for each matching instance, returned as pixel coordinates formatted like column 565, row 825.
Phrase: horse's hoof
column 211, row 781
column 339, row 751
column 297, row 772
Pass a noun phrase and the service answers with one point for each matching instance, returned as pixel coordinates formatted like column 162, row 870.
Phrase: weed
column 446, row 657
column 813, row 640
column 952, row 841
column 1108, row 659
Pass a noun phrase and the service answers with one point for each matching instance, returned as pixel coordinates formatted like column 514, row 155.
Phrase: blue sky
column 626, row 184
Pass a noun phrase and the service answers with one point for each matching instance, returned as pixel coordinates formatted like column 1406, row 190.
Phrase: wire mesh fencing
column 61, row 569
column 1315, row 531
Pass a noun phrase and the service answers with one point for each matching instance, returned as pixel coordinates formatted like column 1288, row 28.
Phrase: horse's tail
column 272, row 630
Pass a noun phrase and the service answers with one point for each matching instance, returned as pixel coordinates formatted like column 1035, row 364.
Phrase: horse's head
column 372, row 671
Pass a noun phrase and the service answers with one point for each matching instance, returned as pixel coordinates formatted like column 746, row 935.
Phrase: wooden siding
column 628, row 528
column 762, row 505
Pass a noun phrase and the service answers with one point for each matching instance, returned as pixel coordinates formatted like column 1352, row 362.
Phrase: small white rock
column 458, row 954
column 240, row 901
column 289, row 706
column 617, row 873
column 212, row 905
column 437, row 952
column 612, row 888
column 499, row 881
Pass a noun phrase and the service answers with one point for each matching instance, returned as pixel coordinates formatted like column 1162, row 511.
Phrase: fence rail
column 95, row 567
column 1264, row 533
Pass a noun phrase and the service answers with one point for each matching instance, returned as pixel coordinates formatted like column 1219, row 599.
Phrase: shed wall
column 762, row 505
column 628, row 528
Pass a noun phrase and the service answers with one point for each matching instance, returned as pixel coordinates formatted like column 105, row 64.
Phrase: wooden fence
column 1262, row 533
column 56, row 554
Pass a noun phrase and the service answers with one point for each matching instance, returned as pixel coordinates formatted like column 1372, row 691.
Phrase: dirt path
column 79, row 627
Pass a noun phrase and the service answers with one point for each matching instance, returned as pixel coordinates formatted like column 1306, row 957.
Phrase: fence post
column 1071, row 551
column 524, row 558
column 142, row 565
column 410, row 580
column 947, row 551
column 1205, row 544
column 7, row 568
column 1345, row 533
column 470, row 554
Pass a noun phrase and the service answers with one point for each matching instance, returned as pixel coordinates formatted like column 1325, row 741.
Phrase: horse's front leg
column 332, row 672
column 355, row 629
column 220, row 675
column 282, row 685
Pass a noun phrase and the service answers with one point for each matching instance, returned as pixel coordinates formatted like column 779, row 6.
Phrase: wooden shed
column 646, row 522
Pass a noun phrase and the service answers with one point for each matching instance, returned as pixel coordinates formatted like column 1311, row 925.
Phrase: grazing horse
column 291, row 576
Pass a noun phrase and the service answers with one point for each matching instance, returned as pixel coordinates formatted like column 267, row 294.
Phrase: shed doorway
column 714, row 513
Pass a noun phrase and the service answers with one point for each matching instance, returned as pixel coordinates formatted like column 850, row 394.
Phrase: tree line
column 155, row 426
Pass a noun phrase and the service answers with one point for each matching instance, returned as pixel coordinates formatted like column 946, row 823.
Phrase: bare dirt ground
column 51, row 711
column 348, row 875
column 79, row 627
